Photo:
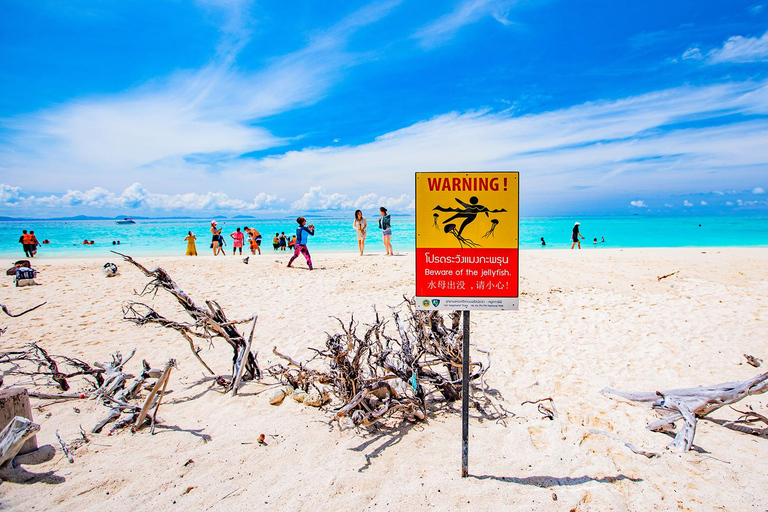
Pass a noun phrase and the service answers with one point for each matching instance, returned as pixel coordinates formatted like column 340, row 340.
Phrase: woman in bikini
column 215, row 232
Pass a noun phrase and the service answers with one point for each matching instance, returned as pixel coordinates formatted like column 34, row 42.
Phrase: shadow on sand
column 553, row 481
column 385, row 437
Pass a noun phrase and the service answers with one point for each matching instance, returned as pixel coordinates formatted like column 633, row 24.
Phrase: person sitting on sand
column 575, row 236
column 239, row 238
column 191, row 249
column 302, row 237
column 215, row 232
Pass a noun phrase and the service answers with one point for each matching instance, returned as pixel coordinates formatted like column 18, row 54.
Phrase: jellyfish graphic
column 494, row 223
column 434, row 221
column 451, row 229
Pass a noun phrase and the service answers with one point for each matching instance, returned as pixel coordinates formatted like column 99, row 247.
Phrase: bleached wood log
column 241, row 360
column 152, row 394
column 689, row 404
column 65, row 449
column 13, row 437
column 113, row 414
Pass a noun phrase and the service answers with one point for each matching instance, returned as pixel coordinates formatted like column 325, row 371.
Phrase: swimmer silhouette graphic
column 468, row 213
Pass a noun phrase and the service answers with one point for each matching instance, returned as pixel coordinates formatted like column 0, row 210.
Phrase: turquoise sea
column 166, row 236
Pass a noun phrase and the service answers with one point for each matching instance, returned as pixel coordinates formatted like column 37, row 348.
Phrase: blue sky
column 271, row 108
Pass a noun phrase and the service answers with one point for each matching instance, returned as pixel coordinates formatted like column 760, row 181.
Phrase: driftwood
column 689, row 404
column 659, row 278
column 13, row 437
column 5, row 310
column 42, row 364
column 377, row 376
column 154, row 398
column 206, row 323
column 65, row 449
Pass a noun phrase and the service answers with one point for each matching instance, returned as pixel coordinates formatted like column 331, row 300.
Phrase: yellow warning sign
column 469, row 210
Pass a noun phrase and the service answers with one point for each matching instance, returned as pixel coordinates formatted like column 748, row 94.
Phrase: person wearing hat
column 216, row 232
column 575, row 236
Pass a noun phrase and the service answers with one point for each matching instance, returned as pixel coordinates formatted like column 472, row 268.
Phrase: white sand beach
column 587, row 319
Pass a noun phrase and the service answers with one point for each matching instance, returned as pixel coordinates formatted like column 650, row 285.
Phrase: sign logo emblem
column 435, row 302
column 426, row 303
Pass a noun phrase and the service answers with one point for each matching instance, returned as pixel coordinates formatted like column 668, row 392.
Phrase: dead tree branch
column 688, row 404
column 206, row 323
column 378, row 376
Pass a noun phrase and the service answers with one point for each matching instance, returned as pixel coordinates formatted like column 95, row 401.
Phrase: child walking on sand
column 302, row 237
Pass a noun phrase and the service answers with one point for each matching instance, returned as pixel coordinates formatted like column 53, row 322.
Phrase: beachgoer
column 575, row 236
column 118, row 242
column 114, row 243
column 302, row 236
column 46, row 241
column 190, row 239
column 543, row 242
column 239, row 238
column 292, row 242
column 35, row 244
column 276, row 241
column 254, row 239
column 283, row 241
column 594, row 241
column 26, row 241
column 602, row 239
column 215, row 232
column 385, row 224
column 361, row 225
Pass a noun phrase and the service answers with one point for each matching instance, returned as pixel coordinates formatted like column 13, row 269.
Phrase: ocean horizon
column 165, row 237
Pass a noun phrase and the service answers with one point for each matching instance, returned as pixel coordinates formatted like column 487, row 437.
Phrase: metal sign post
column 467, row 241
column 465, row 399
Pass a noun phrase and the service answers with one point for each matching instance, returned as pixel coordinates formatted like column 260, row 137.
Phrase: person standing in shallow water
column 361, row 226
column 385, row 224
column 26, row 241
column 302, row 237
column 575, row 236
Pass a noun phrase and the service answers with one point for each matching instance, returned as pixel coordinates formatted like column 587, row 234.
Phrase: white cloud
column 638, row 204
column 687, row 203
column 758, row 190
column 741, row 49
column 9, row 194
column 703, row 203
column 466, row 13
column 209, row 114
column 667, row 205
column 728, row 203
column 135, row 197
column 317, row 199
column 692, row 53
